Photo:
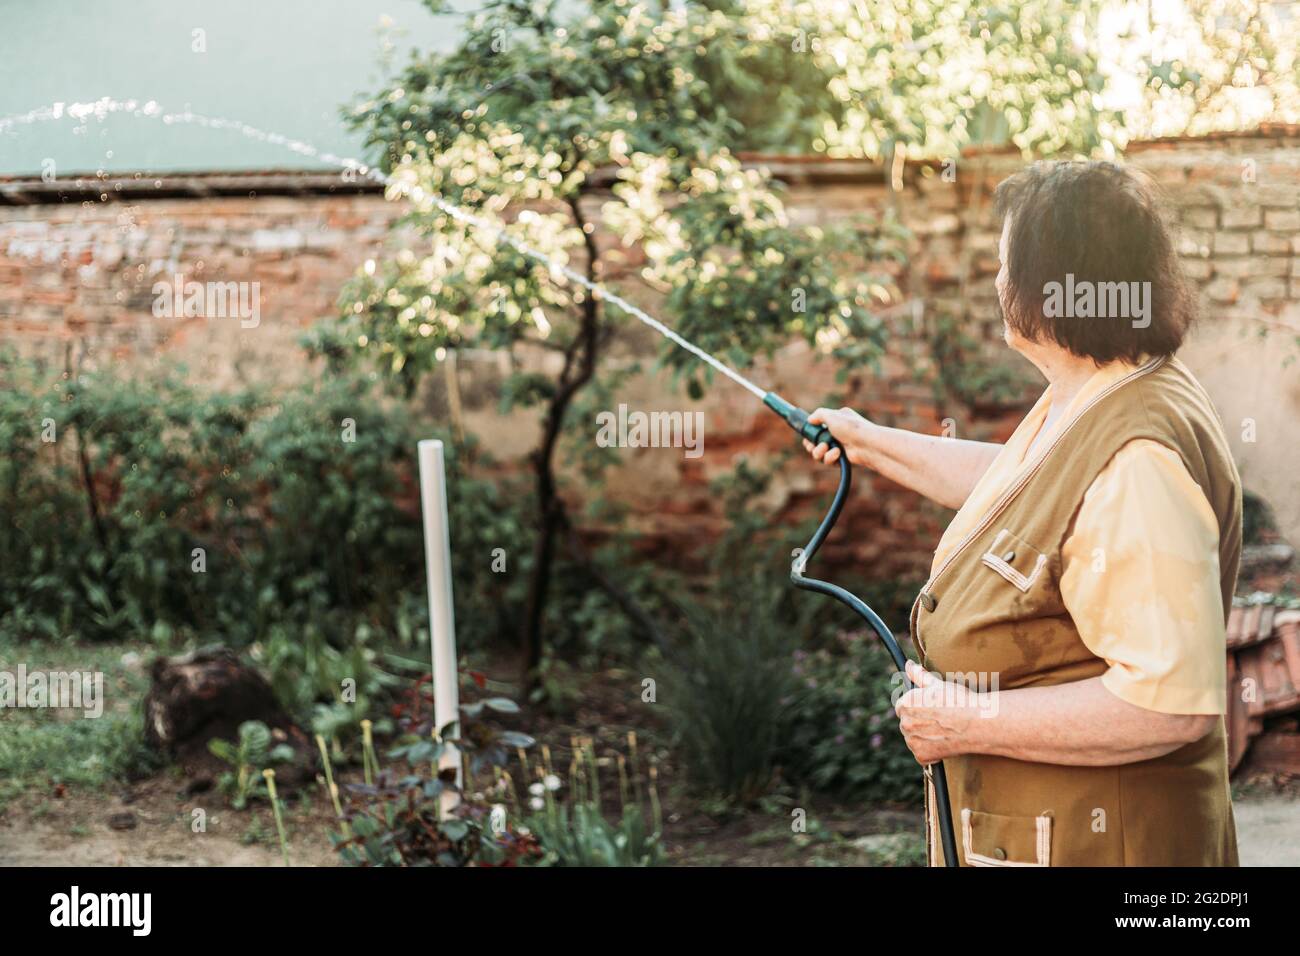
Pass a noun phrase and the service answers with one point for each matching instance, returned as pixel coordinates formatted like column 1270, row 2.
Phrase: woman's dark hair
column 1081, row 233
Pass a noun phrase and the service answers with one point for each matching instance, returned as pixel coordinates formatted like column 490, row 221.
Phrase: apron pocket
column 989, row 839
column 1015, row 559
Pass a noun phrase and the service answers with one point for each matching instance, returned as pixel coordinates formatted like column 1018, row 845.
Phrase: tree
column 563, row 125
column 1052, row 77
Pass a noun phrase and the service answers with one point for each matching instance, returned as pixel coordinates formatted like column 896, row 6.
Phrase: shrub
column 311, row 544
column 1258, row 524
column 728, row 689
column 839, row 732
column 155, row 510
column 311, row 538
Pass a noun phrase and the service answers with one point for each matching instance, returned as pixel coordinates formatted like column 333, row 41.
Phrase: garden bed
column 80, row 806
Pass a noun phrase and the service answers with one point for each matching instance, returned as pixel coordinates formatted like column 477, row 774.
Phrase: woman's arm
column 1078, row 724
column 942, row 469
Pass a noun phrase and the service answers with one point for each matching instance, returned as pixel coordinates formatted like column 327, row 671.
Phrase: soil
column 81, row 829
column 78, row 830
column 43, row 830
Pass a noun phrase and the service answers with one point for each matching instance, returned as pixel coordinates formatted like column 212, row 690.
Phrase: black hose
column 942, row 807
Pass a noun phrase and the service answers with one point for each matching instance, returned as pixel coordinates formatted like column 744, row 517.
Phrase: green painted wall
column 282, row 65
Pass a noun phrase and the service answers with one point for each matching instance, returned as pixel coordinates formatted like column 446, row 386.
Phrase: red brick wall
column 83, row 274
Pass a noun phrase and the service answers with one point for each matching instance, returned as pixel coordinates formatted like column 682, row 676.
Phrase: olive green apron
column 994, row 607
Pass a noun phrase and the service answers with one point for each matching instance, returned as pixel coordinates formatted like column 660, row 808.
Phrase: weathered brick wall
column 83, row 274
column 1237, row 202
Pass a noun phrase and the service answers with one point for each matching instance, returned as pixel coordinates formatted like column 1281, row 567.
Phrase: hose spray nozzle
column 797, row 419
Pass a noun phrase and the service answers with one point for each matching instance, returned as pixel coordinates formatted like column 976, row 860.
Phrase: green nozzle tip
column 779, row 405
column 797, row 419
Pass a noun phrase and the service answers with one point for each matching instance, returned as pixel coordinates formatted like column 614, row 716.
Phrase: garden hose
column 797, row 419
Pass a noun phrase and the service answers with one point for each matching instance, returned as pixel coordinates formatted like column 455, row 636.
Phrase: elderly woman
column 1088, row 572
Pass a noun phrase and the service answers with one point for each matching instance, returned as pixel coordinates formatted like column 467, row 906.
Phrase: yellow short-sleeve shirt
column 1140, row 566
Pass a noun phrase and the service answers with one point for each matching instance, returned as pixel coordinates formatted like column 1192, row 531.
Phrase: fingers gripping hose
column 817, row 434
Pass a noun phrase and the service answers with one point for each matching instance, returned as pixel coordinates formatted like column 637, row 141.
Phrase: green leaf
column 455, row 830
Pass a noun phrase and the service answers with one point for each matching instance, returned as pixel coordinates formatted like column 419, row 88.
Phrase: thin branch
column 625, row 601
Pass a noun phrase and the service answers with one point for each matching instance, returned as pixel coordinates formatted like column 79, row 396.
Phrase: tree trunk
column 579, row 367
column 540, row 577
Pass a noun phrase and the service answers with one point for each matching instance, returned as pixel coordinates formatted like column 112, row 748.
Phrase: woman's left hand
column 936, row 716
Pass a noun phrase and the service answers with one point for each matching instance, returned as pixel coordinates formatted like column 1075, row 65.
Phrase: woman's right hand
column 849, row 428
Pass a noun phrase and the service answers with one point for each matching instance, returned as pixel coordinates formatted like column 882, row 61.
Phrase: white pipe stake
column 442, row 619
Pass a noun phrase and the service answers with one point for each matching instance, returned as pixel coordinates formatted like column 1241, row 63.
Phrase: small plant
column 331, row 788
column 577, row 833
column 269, row 776
column 255, row 834
column 397, row 818
column 252, row 754
column 558, row 688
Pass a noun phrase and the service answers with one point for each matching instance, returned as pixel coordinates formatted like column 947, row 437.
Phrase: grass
column 41, row 748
